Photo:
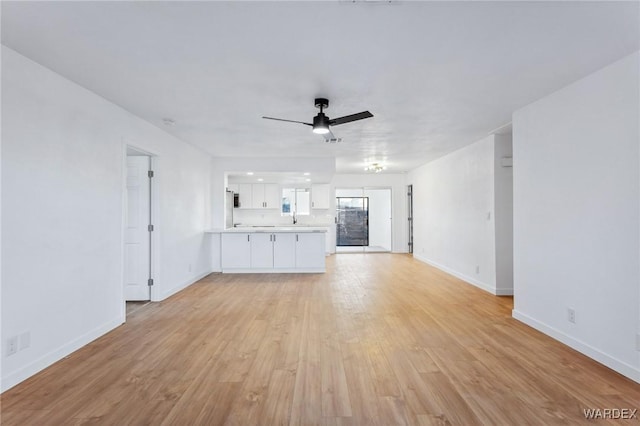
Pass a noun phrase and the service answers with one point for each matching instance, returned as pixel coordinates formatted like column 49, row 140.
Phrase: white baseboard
column 504, row 292
column 182, row 286
column 45, row 361
column 457, row 274
column 615, row 364
column 275, row 271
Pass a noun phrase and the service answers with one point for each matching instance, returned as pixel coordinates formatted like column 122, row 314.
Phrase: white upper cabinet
column 272, row 196
column 320, row 196
column 257, row 195
column 245, row 192
column 265, row 196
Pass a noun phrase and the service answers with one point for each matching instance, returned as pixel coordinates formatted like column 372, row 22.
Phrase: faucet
column 294, row 218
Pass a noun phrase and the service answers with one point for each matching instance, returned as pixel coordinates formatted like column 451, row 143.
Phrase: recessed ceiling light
column 306, row 173
column 308, row 180
column 249, row 173
column 260, row 179
column 168, row 122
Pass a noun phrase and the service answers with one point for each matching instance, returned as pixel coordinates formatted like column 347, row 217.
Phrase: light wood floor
column 380, row 339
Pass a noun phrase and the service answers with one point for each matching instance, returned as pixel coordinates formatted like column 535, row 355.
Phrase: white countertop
column 249, row 229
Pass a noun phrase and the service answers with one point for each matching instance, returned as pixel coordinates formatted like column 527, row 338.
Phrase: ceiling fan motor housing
column 320, row 120
column 321, row 103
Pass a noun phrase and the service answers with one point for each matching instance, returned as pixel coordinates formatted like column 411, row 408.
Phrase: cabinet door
column 310, row 250
column 246, row 195
column 257, row 191
column 320, row 196
column 272, row 196
column 284, row 250
column 236, row 251
column 261, row 250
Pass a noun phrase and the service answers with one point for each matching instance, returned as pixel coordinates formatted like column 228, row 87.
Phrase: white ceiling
column 436, row 75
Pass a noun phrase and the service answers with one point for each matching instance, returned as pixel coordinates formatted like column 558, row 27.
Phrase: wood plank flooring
column 380, row 339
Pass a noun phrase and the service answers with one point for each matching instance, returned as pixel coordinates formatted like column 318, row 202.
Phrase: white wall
column 576, row 215
column 380, row 217
column 453, row 211
column 397, row 183
column 63, row 151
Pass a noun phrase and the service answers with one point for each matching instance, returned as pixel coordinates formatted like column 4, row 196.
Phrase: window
column 296, row 200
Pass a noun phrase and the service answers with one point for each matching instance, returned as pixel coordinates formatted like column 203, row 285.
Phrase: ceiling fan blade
column 290, row 121
column 350, row 118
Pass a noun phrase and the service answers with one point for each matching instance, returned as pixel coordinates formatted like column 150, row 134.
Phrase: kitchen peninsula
column 272, row 249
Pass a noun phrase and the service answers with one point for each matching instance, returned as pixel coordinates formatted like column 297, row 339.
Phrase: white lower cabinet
column 310, row 250
column 284, row 250
column 273, row 252
column 236, row 251
column 261, row 250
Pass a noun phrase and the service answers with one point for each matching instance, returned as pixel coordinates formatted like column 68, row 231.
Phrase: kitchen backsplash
column 274, row 217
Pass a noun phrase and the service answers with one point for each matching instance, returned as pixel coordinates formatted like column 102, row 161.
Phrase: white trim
column 504, row 291
column 154, row 161
column 621, row 367
column 274, row 271
column 181, row 287
column 57, row 354
column 463, row 277
column 364, row 188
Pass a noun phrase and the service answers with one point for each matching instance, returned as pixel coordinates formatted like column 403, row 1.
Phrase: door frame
column 365, row 206
column 364, row 188
column 154, row 164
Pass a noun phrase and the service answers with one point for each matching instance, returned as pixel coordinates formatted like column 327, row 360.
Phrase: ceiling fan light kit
column 321, row 122
column 320, row 125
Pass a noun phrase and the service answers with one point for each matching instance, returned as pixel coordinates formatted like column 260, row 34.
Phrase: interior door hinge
column 150, row 173
column 150, row 282
column 150, row 228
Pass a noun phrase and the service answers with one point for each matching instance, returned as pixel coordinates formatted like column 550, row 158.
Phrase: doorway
column 410, row 216
column 352, row 229
column 138, row 228
column 363, row 220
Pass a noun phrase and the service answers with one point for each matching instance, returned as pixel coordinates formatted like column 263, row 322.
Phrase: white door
column 136, row 235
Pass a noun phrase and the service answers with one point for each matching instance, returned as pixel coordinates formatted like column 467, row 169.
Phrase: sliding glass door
column 363, row 220
column 352, row 228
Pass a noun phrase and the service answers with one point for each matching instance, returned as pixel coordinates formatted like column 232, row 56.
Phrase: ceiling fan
column 321, row 122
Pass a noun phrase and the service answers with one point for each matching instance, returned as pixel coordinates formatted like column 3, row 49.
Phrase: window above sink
column 296, row 201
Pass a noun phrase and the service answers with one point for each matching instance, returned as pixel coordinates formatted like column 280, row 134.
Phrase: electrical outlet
column 638, row 342
column 477, row 269
column 25, row 340
column 12, row 345
column 571, row 315
column 189, row 267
